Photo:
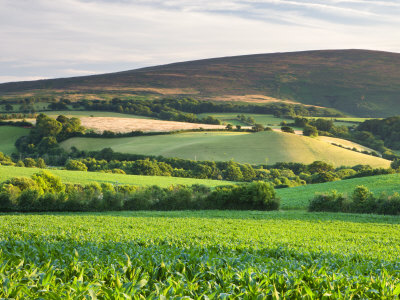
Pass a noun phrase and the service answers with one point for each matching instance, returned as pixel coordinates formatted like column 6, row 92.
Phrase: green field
column 299, row 197
column 253, row 148
column 7, row 172
column 201, row 255
column 8, row 136
column 231, row 118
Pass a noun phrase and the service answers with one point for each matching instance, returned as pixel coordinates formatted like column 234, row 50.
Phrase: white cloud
column 45, row 38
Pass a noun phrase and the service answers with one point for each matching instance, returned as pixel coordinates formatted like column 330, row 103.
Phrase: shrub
column 75, row 165
column 333, row 202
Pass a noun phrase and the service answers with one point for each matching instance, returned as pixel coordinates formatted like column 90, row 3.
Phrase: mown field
column 7, row 172
column 8, row 136
column 254, row 148
column 201, row 255
column 299, row 197
column 88, row 113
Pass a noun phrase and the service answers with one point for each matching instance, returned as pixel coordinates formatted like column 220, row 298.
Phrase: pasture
column 253, row 148
column 7, row 172
column 204, row 254
column 8, row 136
column 231, row 118
column 88, row 113
column 299, row 197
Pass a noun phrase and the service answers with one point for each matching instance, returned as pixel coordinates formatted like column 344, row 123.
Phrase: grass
column 8, row 136
column 253, row 148
column 7, row 172
column 203, row 254
column 266, row 120
column 299, row 197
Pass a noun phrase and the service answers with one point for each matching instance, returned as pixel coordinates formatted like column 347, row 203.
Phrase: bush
column 332, row 202
column 75, row 165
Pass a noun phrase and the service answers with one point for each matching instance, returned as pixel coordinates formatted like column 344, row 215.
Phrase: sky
column 63, row 38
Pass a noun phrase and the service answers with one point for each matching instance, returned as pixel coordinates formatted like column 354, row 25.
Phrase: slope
column 253, row 148
column 359, row 82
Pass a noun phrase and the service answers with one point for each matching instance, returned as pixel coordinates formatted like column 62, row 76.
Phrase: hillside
column 359, row 82
column 253, row 148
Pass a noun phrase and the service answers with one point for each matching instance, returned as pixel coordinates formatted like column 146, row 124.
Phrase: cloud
column 45, row 38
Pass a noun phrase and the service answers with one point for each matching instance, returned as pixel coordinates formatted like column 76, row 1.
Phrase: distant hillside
column 254, row 148
column 359, row 82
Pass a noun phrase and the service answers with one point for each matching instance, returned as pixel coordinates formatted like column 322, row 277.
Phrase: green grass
column 8, row 136
column 77, row 113
column 266, row 120
column 218, row 254
column 299, row 197
column 254, row 148
column 7, row 172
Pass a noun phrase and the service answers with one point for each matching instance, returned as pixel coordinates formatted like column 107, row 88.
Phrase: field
column 88, row 113
column 344, row 143
column 254, row 148
column 299, row 197
column 231, row 118
column 201, row 255
column 8, row 136
column 7, row 172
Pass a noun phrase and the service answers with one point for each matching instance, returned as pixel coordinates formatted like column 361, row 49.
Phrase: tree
column 258, row 127
column 9, row 107
column 229, row 127
column 287, row 129
column 310, row 131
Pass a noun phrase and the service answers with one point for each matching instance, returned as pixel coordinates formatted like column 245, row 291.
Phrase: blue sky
column 63, row 38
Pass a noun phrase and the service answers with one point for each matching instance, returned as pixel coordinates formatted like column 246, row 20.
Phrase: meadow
column 88, row 113
column 8, row 172
column 201, row 255
column 231, row 118
column 299, row 197
column 8, row 136
column 243, row 147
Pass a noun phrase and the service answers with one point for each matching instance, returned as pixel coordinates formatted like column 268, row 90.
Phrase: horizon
column 71, row 38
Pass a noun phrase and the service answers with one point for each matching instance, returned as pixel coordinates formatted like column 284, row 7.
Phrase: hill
column 8, row 172
column 359, row 82
column 253, row 148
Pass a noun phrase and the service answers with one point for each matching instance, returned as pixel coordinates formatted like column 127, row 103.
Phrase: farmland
column 7, row 172
column 299, row 197
column 218, row 254
column 8, row 136
column 231, row 118
column 254, row 148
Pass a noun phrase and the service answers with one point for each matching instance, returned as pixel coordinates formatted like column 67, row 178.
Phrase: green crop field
column 8, row 136
column 200, row 255
column 299, row 197
column 266, row 120
column 254, row 148
column 7, row 172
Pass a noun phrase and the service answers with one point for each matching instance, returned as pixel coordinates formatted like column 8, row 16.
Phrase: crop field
column 201, row 255
column 299, row 197
column 7, row 172
column 254, row 148
column 8, row 136
column 87, row 113
column 259, row 118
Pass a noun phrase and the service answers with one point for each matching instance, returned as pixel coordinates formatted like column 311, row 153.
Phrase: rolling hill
column 358, row 82
column 253, row 148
